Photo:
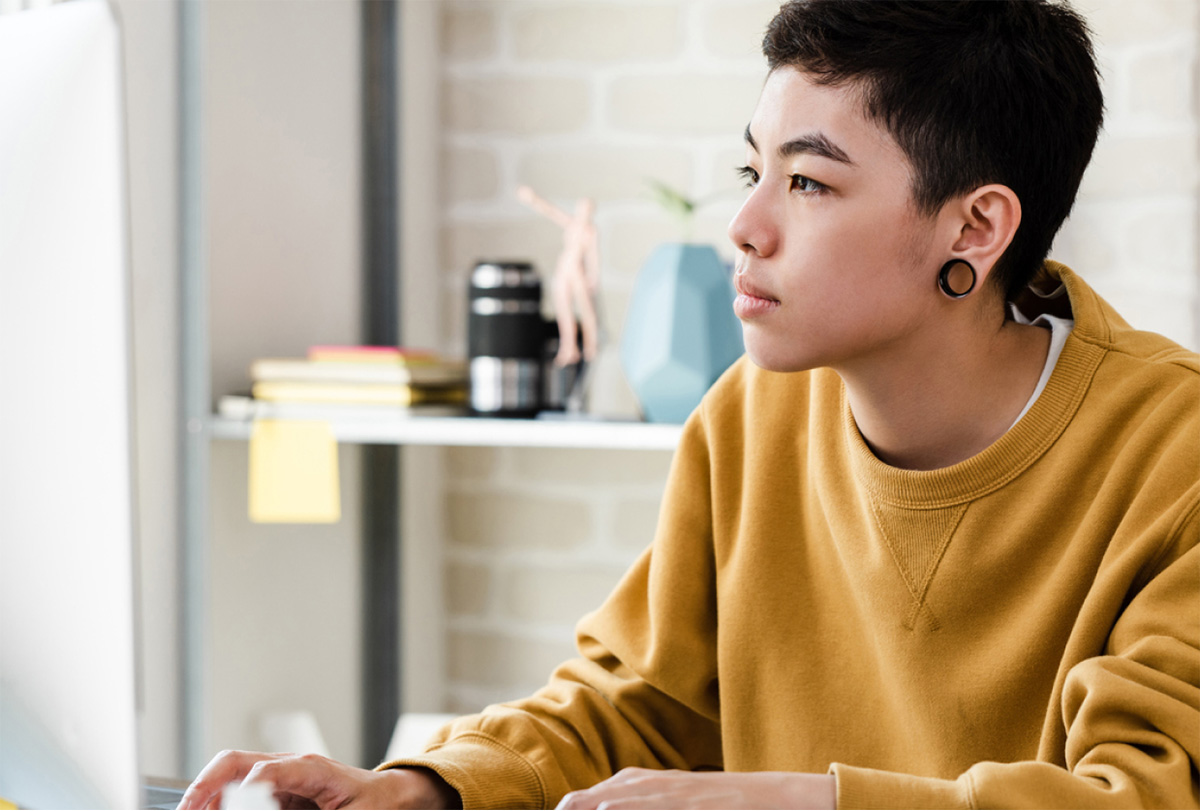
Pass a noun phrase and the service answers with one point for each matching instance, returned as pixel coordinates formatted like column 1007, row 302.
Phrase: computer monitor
column 68, row 692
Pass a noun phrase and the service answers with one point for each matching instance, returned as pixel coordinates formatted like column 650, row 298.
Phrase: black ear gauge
column 956, row 278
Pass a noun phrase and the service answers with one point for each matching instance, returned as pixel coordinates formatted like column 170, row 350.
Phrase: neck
column 942, row 396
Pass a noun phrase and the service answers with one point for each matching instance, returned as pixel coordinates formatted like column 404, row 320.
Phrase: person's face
column 834, row 264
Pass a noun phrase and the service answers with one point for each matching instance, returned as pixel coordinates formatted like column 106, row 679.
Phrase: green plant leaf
column 674, row 203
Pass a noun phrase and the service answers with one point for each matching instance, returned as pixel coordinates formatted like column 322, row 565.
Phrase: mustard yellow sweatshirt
column 1020, row 630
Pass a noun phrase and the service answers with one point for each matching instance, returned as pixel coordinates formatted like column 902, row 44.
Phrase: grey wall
column 281, row 153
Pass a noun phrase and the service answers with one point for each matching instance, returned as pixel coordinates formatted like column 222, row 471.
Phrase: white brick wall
column 589, row 98
column 535, row 539
column 1133, row 232
column 572, row 98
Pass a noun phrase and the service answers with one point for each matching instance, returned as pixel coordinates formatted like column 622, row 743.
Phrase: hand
column 648, row 788
column 312, row 781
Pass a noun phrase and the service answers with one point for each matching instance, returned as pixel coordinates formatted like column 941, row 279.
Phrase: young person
column 934, row 541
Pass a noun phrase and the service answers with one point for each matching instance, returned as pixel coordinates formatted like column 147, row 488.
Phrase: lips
column 748, row 288
column 752, row 301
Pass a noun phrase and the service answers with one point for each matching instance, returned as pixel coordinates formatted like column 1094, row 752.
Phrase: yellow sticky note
column 293, row 473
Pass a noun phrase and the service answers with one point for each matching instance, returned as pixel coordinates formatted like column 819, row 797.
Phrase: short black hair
column 973, row 91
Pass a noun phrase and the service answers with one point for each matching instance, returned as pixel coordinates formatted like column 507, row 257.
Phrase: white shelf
column 480, row 431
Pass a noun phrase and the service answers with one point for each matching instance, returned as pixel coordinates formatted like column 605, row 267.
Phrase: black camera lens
column 505, row 339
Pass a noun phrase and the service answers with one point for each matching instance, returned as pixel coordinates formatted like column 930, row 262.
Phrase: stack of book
column 352, row 382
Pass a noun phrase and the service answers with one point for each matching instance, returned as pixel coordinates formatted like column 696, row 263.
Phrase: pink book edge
column 378, row 351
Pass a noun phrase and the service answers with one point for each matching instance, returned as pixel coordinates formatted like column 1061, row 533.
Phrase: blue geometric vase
column 680, row 333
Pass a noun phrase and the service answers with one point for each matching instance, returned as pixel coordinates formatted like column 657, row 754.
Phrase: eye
column 806, row 185
column 748, row 175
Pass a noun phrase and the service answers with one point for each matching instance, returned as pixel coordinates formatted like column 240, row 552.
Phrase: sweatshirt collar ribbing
column 1021, row 446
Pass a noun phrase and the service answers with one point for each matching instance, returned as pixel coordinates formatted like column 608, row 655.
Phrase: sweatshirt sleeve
column 643, row 691
column 1132, row 720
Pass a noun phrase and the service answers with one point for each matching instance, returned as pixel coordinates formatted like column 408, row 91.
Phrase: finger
column 632, row 773
column 577, row 799
column 310, row 777
column 228, row 766
column 644, row 801
column 678, row 800
column 630, row 782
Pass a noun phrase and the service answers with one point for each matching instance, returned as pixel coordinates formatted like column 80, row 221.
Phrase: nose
column 752, row 229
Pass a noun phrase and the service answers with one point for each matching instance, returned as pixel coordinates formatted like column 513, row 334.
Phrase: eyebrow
column 815, row 143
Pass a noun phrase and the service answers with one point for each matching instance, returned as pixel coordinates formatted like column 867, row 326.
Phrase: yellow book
column 297, row 370
column 398, row 395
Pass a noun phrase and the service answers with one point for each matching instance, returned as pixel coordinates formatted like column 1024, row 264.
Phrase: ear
column 987, row 220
